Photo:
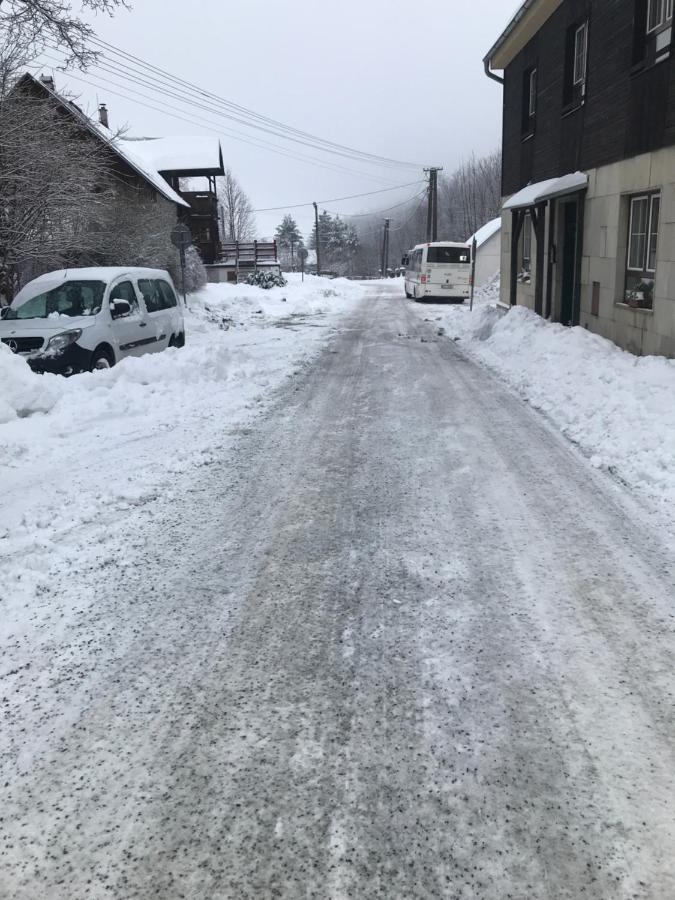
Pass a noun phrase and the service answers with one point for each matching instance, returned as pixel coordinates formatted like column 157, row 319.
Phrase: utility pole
column 292, row 254
column 318, row 240
column 432, row 203
column 385, row 248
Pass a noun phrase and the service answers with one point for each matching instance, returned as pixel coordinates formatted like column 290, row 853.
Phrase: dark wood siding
column 627, row 110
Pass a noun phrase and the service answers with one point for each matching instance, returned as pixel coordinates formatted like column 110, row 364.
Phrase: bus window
column 448, row 255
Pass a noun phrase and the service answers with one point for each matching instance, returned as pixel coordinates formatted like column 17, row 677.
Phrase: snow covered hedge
column 266, row 280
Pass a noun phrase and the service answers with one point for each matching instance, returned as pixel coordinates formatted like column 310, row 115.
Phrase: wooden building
column 588, row 225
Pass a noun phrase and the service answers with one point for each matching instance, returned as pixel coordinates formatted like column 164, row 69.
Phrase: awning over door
column 547, row 190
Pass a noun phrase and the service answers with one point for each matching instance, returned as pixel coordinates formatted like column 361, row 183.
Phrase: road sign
column 303, row 254
column 181, row 236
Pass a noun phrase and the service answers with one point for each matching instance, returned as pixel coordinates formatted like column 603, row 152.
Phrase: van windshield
column 73, row 298
column 448, row 255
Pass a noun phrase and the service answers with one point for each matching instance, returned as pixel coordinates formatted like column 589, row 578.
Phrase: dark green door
column 569, row 308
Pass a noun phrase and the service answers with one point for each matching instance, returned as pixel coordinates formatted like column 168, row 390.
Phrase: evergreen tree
column 288, row 240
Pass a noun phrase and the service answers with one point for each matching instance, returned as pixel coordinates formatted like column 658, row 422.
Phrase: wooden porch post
column 539, row 215
column 516, row 228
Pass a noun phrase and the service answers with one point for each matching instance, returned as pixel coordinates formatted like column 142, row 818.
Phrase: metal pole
column 386, row 246
column 318, row 240
column 182, row 274
column 473, row 270
column 429, row 204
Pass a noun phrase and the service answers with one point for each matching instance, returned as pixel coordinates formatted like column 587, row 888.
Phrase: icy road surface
column 403, row 642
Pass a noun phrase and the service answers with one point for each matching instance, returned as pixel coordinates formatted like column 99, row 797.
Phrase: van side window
column 125, row 291
column 167, row 293
column 151, row 295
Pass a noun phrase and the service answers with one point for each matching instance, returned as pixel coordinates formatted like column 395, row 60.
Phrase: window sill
column 636, row 309
column 646, row 66
column 572, row 108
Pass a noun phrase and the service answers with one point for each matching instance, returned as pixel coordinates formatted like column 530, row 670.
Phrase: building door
column 569, row 307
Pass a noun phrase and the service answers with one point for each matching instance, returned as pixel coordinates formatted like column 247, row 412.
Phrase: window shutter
column 640, row 32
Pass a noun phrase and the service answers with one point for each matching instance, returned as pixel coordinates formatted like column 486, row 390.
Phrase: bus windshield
column 448, row 255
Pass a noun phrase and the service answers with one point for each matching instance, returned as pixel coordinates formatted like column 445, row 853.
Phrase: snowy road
column 403, row 643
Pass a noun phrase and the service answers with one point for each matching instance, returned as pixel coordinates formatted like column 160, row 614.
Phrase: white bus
column 439, row 271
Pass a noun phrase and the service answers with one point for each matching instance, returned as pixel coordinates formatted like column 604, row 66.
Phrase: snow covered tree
column 289, row 240
column 195, row 272
column 37, row 23
column 236, row 211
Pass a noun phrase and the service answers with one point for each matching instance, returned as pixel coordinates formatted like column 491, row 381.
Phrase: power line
column 337, row 199
column 377, row 212
column 255, row 120
column 214, row 127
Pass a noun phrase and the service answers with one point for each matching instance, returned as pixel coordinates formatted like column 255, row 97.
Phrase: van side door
column 129, row 331
column 159, row 316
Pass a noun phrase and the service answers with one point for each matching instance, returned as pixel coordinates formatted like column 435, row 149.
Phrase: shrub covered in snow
column 266, row 280
column 195, row 271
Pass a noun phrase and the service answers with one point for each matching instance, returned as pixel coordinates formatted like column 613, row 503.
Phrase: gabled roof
column 117, row 145
column 484, row 234
column 521, row 29
column 181, row 156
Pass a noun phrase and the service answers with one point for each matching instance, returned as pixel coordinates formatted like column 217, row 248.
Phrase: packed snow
column 76, row 451
column 616, row 407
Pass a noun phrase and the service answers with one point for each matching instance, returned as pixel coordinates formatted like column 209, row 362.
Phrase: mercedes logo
column 13, row 346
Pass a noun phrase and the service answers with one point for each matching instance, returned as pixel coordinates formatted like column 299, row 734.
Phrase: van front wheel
column 101, row 359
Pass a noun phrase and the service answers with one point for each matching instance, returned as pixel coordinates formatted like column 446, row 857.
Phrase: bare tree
column 471, row 196
column 64, row 200
column 235, row 209
column 39, row 23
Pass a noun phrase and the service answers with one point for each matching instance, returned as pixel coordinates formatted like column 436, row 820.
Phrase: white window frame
column 532, row 97
column 650, row 198
column 665, row 14
column 581, row 44
column 652, row 201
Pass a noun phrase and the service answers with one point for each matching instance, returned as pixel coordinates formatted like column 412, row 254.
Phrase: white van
column 439, row 271
column 78, row 320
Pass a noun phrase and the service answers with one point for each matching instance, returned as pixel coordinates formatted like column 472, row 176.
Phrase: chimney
column 103, row 115
column 48, row 82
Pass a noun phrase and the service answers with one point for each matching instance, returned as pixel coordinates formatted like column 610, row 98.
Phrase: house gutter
column 490, row 73
column 510, row 28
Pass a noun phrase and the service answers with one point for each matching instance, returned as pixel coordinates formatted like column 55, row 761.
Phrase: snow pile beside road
column 618, row 408
column 21, row 392
column 79, row 451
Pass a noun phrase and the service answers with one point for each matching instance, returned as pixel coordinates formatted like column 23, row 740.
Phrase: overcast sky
column 389, row 77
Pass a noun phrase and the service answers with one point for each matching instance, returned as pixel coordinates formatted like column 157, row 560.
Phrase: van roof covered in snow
column 51, row 280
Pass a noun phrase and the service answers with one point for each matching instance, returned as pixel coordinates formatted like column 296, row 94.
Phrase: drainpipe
column 490, row 73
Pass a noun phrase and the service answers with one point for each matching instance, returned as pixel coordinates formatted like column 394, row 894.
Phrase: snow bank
column 616, row 407
column 77, row 451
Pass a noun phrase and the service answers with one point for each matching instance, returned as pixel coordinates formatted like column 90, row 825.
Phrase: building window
column 576, row 65
column 653, row 31
column 532, row 104
column 659, row 14
column 529, row 101
column 643, row 232
column 580, row 53
column 527, row 243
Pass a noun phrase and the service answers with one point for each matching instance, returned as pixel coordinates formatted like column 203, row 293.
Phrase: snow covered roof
column 117, row 145
column 129, row 155
column 485, row 233
column 546, row 190
column 180, row 155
